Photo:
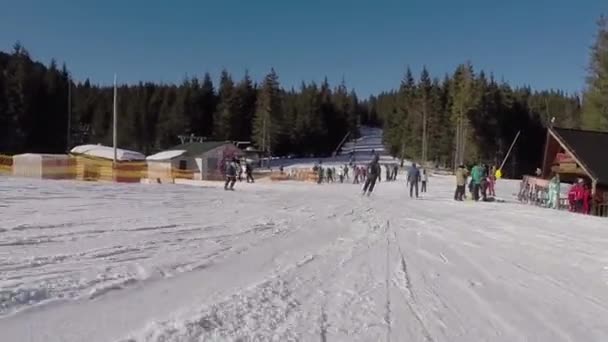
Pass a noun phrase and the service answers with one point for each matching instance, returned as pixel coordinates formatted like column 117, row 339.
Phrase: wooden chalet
column 574, row 154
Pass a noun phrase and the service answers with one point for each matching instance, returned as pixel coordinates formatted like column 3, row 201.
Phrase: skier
column 425, row 179
column 587, row 199
column 492, row 181
column 554, row 192
column 484, row 183
column 395, row 171
column 476, row 176
column 320, row 174
column 374, row 172
column 413, row 178
column 461, row 181
column 249, row 172
column 231, row 175
column 240, row 170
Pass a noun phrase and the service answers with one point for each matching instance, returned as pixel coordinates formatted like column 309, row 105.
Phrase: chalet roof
column 587, row 147
column 106, row 152
column 198, row 148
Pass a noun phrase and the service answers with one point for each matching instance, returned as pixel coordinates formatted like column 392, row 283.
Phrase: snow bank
column 165, row 155
column 107, row 152
column 131, row 262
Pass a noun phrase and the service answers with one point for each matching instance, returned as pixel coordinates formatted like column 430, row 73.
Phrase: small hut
column 165, row 166
column 95, row 162
column 574, row 154
column 43, row 166
column 194, row 160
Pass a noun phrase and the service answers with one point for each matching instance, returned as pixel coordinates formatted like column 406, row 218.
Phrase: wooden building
column 95, row 163
column 575, row 154
column 193, row 160
column 44, row 166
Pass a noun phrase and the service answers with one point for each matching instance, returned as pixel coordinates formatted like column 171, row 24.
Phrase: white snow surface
column 107, row 152
column 165, row 155
column 293, row 262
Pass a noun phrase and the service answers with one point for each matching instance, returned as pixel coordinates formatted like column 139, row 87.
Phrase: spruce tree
column 245, row 98
column 224, row 117
column 267, row 125
column 595, row 114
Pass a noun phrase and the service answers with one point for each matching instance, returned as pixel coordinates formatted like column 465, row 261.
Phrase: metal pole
column 509, row 152
column 264, row 139
column 114, row 121
column 69, row 133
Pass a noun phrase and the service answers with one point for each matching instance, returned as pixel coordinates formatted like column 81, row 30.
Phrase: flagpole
column 114, row 122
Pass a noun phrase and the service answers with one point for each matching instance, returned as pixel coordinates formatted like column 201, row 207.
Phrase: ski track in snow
column 293, row 262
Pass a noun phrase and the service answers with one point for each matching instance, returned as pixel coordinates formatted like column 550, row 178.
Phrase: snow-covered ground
column 293, row 261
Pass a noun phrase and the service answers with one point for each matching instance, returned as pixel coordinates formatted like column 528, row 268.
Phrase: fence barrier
column 6, row 164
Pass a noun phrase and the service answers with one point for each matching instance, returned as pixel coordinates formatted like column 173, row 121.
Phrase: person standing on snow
column 554, row 192
column 413, row 179
column 231, row 171
column 476, row 177
column 341, row 175
column 372, row 176
column 425, row 180
column 461, row 181
column 395, row 171
column 249, row 172
column 492, row 181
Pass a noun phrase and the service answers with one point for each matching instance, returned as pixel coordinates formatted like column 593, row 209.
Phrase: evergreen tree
column 226, row 114
column 595, row 115
column 245, row 97
column 207, row 103
column 464, row 100
column 267, row 125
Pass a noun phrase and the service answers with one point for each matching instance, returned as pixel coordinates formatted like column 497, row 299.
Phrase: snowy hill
column 370, row 140
column 102, row 262
column 360, row 149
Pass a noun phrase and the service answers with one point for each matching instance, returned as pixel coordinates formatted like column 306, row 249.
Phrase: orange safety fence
column 6, row 164
column 303, row 175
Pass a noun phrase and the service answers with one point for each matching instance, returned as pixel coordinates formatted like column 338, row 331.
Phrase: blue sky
column 541, row 43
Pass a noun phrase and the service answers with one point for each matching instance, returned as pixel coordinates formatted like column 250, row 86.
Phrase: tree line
column 465, row 116
column 470, row 116
column 39, row 105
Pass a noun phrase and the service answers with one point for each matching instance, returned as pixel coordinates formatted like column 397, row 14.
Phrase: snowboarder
column 425, row 179
column 461, row 181
column 413, row 178
column 374, row 172
column 231, row 171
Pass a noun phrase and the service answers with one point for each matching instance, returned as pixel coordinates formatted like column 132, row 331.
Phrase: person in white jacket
column 425, row 178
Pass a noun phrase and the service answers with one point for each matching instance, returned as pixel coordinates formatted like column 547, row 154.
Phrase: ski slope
column 293, row 262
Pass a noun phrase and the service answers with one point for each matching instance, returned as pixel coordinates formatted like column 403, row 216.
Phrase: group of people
column 234, row 170
column 481, row 185
column 360, row 173
column 580, row 197
column 414, row 178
